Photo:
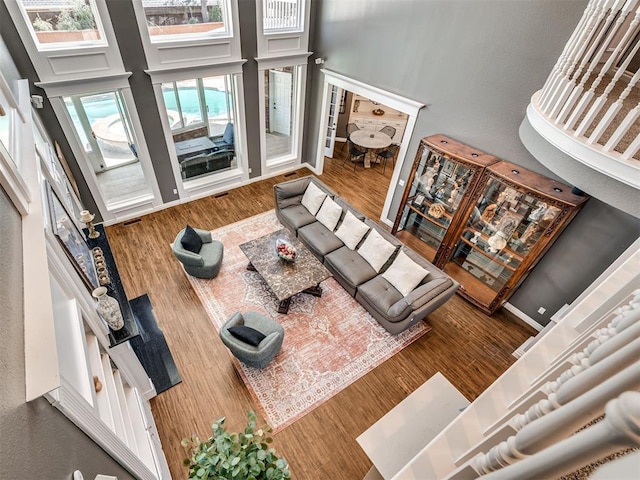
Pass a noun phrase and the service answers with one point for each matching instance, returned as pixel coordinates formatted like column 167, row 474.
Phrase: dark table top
column 284, row 278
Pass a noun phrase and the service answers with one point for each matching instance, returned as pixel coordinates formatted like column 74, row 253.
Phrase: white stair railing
column 602, row 46
column 619, row 429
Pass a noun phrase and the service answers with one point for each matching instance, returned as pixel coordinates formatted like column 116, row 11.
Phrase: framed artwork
column 448, row 168
column 67, row 170
column 71, row 240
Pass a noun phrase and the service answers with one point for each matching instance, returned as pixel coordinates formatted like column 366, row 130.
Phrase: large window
column 282, row 15
column 281, row 95
column 103, row 127
column 63, row 23
column 171, row 20
column 201, row 115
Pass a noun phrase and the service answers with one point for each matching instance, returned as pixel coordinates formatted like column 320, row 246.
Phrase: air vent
column 131, row 222
column 220, row 195
column 290, row 174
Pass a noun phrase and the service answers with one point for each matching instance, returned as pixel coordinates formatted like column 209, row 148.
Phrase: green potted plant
column 240, row 456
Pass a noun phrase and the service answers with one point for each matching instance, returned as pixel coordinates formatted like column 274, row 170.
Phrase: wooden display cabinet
column 514, row 217
column 444, row 174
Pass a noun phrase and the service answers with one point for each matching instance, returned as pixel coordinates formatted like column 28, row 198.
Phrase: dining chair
column 391, row 131
column 351, row 127
column 386, row 154
column 355, row 154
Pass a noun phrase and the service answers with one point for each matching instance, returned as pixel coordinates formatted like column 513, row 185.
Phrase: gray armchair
column 206, row 263
column 260, row 356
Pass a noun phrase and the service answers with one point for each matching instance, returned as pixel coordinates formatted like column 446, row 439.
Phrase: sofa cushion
column 291, row 192
column 354, row 269
column 376, row 250
column 405, row 274
column 191, row 241
column 319, row 239
column 329, row 213
column 297, row 216
column 351, row 231
column 313, row 198
column 382, row 296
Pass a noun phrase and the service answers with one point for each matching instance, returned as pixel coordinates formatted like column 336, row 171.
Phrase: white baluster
column 574, row 90
column 602, row 99
column 587, row 40
column 571, row 388
column 619, row 429
column 634, row 147
column 560, row 69
column 614, row 109
column 611, row 35
column 555, row 94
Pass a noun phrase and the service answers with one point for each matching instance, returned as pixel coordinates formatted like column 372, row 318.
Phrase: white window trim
column 132, row 207
column 301, row 13
column 294, row 159
column 397, row 102
column 214, row 183
column 11, row 173
column 46, row 47
column 282, row 42
column 190, row 51
column 64, row 63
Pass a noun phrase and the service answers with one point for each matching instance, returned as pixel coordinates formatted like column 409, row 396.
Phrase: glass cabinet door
column 438, row 186
column 503, row 228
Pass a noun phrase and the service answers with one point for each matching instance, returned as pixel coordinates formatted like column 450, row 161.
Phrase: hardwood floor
column 469, row 348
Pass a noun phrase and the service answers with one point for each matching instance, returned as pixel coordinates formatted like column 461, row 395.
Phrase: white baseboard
column 522, row 316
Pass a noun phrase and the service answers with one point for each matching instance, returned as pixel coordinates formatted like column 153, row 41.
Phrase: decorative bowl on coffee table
column 285, row 250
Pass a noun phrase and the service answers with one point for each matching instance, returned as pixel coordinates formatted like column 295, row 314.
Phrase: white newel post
column 619, row 429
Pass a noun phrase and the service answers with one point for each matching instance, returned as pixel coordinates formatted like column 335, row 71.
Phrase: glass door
column 102, row 125
column 330, row 139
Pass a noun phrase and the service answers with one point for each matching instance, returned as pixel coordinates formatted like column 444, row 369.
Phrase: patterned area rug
column 329, row 341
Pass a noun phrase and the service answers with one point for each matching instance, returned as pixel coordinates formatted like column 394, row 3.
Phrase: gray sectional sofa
column 394, row 310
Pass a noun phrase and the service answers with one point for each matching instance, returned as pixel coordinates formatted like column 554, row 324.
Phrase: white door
column 334, row 104
column 280, row 102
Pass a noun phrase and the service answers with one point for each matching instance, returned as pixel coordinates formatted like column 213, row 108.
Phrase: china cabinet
column 444, row 174
column 484, row 221
column 514, row 218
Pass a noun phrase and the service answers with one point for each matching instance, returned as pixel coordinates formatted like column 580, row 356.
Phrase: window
column 63, row 23
column 201, row 115
column 282, row 15
column 103, row 127
column 281, row 87
column 9, row 127
column 171, row 20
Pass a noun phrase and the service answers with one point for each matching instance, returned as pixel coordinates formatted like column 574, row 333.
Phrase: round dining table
column 372, row 141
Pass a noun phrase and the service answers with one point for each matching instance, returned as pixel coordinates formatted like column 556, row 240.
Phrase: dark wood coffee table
column 285, row 279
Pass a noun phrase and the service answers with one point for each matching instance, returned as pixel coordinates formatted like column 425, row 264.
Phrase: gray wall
column 475, row 64
column 37, row 441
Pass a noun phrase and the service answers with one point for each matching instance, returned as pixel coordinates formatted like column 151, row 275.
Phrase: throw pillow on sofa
column 376, row 250
column 329, row 213
column 352, row 230
column 313, row 198
column 404, row 274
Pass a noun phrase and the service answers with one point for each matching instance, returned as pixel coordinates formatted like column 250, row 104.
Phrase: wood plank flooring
column 469, row 348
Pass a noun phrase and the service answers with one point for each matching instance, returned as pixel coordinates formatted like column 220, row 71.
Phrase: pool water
column 98, row 107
